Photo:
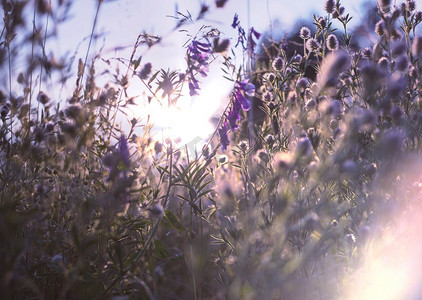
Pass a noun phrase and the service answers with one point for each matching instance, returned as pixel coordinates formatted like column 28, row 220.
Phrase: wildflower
column 124, row 151
column 401, row 63
column 303, row 147
column 313, row 45
column 410, row 5
column 322, row 22
column 302, row 84
column 269, row 139
column 384, row 63
column 158, row 147
column 305, row 33
column 220, row 47
column 243, row 145
column 263, row 156
column 380, row 28
column 236, row 21
column 74, row 111
column 370, row 169
column 49, row 126
column 5, row 110
column 367, row 53
column 332, row 108
column 278, row 63
column 384, row 5
column 241, row 34
column 156, row 210
column 332, row 66
column 396, row 114
column 222, row 159
column 329, row 6
column 224, row 139
column 418, row 16
column 272, row 105
column 251, row 42
column 268, row 96
column 43, row 98
column 220, row 3
column 270, row 77
column 146, row 70
column 198, row 54
column 332, row 42
column 297, row 58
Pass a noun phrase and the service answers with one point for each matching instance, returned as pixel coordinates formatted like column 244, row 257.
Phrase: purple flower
column 251, row 43
column 247, row 87
column 241, row 89
column 234, row 115
column 198, row 54
column 124, row 150
column 240, row 32
column 224, row 139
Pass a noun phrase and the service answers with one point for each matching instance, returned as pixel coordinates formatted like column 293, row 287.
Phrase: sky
column 121, row 21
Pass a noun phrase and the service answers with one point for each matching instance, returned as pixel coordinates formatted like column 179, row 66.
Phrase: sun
column 189, row 121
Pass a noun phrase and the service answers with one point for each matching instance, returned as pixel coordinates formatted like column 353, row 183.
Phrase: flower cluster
column 241, row 91
column 197, row 54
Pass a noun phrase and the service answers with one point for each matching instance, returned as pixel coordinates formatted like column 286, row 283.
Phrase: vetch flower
column 224, row 139
column 198, row 55
column 241, row 34
column 251, row 42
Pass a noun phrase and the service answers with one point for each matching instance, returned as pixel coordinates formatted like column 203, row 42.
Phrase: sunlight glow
column 392, row 261
column 189, row 120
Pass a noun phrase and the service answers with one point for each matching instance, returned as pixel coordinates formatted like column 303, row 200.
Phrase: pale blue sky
column 121, row 22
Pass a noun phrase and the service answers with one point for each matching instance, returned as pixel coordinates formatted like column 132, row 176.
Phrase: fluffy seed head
column 329, row 6
column 303, row 147
column 43, row 98
column 313, row 45
column 380, row 28
column 278, row 63
column 384, row 5
column 332, row 42
column 401, row 63
column 410, row 5
column 334, row 64
column 305, row 33
column 384, row 63
column 367, row 53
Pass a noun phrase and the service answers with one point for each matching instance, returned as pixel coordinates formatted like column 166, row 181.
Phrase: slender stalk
column 32, row 63
column 94, row 25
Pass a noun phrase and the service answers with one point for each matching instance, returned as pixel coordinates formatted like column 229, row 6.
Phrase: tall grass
column 289, row 204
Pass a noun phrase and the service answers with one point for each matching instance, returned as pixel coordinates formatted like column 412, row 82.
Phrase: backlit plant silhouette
column 283, row 204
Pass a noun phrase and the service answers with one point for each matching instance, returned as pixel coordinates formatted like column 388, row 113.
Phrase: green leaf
column 172, row 220
column 160, row 250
